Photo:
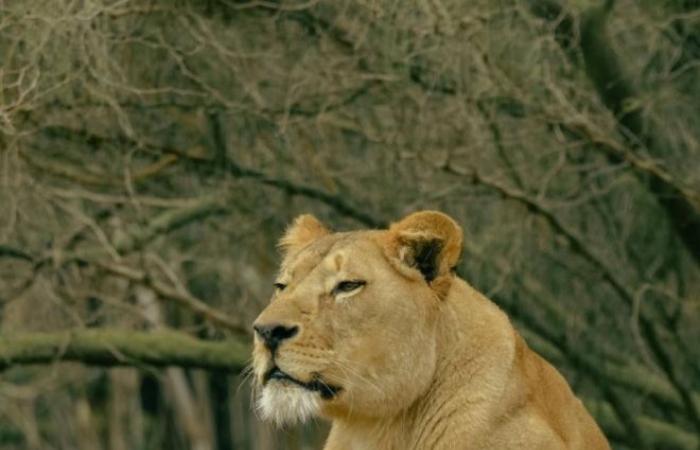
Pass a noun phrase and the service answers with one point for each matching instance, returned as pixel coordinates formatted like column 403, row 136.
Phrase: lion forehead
column 332, row 253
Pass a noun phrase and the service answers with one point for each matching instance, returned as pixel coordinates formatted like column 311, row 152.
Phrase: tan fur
column 422, row 365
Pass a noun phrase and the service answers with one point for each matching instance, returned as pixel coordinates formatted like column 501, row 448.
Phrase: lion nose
column 273, row 334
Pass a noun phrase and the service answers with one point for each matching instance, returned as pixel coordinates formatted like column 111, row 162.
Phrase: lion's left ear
column 428, row 241
column 305, row 229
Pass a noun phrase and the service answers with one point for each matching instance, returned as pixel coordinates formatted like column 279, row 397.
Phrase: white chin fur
column 286, row 404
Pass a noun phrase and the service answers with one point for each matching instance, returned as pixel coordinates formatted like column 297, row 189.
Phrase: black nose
column 275, row 333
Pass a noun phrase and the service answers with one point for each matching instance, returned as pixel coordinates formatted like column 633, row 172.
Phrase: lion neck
column 464, row 375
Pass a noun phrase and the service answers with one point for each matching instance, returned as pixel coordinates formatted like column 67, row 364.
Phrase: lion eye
column 280, row 286
column 348, row 286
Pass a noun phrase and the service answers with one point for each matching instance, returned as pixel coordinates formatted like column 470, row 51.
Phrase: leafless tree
column 152, row 152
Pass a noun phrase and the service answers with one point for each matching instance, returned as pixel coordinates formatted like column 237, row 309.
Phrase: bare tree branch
column 577, row 244
column 227, row 165
column 184, row 299
column 169, row 221
column 656, row 433
column 631, row 376
column 547, row 338
column 606, row 71
column 123, row 348
column 11, row 252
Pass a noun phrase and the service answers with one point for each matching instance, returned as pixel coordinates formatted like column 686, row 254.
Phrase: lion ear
column 305, row 229
column 428, row 241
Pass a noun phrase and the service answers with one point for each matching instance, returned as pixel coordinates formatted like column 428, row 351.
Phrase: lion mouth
column 326, row 390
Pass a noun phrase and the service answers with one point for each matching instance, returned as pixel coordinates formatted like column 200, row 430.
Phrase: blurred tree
column 152, row 152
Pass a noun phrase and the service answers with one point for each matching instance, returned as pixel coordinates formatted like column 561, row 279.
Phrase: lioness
column 374, row 331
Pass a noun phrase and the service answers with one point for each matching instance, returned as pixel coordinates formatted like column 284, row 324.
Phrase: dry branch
column 123, row 348
column 681, row 204
column 648, row 326
column 336, row 202
column 10, row 252
column 137, row 236
column 547, row 339
column 656, row 433
column 634, row 377
column 185, row 299
column 224, row 163
column 605, row 70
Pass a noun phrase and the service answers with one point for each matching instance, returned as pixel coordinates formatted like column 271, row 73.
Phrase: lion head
column 351, row 328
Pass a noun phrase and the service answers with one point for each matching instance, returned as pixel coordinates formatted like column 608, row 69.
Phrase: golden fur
column 417, row 358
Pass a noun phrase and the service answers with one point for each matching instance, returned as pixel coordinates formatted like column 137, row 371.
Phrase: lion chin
column 287, row 404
